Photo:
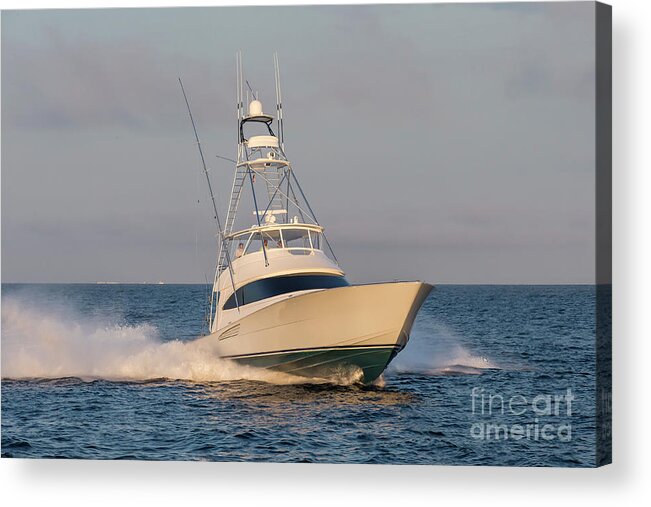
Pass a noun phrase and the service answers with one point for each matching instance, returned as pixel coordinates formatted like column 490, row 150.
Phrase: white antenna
column 279, row 104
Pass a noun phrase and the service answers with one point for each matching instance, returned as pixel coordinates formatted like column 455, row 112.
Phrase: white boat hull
column 327, row 333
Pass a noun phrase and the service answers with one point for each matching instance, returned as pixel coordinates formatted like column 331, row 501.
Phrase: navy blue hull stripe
column 313, row 349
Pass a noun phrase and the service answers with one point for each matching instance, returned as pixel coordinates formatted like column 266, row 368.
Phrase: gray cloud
column 65, row 82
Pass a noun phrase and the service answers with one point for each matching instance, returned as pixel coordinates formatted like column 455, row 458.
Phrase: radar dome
column 255, row 108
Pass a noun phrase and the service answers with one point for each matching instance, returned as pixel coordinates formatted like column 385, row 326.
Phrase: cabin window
column 297, row 238
column 272, row 239
column 269, row 287
column 315, row 238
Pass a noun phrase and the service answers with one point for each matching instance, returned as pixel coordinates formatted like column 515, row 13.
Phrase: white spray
column 46, row 344
column 434, row 349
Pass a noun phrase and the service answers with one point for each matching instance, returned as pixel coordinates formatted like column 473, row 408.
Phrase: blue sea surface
column 492, row 375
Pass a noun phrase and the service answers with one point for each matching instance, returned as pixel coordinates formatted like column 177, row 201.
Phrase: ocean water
column 492, row 375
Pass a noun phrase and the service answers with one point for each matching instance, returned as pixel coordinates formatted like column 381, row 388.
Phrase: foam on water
column 39, row 343
column 435, row 350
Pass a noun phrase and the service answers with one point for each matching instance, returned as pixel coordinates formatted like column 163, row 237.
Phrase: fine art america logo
column 543, row 417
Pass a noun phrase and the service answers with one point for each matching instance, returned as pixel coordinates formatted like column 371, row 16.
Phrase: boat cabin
column 271, row 261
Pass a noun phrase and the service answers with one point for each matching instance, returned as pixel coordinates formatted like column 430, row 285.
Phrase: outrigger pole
column 212, row 198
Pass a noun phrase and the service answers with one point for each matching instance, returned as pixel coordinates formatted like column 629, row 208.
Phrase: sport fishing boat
column 279, row 298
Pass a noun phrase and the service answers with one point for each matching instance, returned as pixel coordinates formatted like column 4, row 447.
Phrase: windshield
column 292, row 239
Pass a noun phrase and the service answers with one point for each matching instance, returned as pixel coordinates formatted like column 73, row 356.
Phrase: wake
column 46, row 344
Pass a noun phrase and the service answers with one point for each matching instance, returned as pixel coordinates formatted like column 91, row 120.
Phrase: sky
column 446, row 143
